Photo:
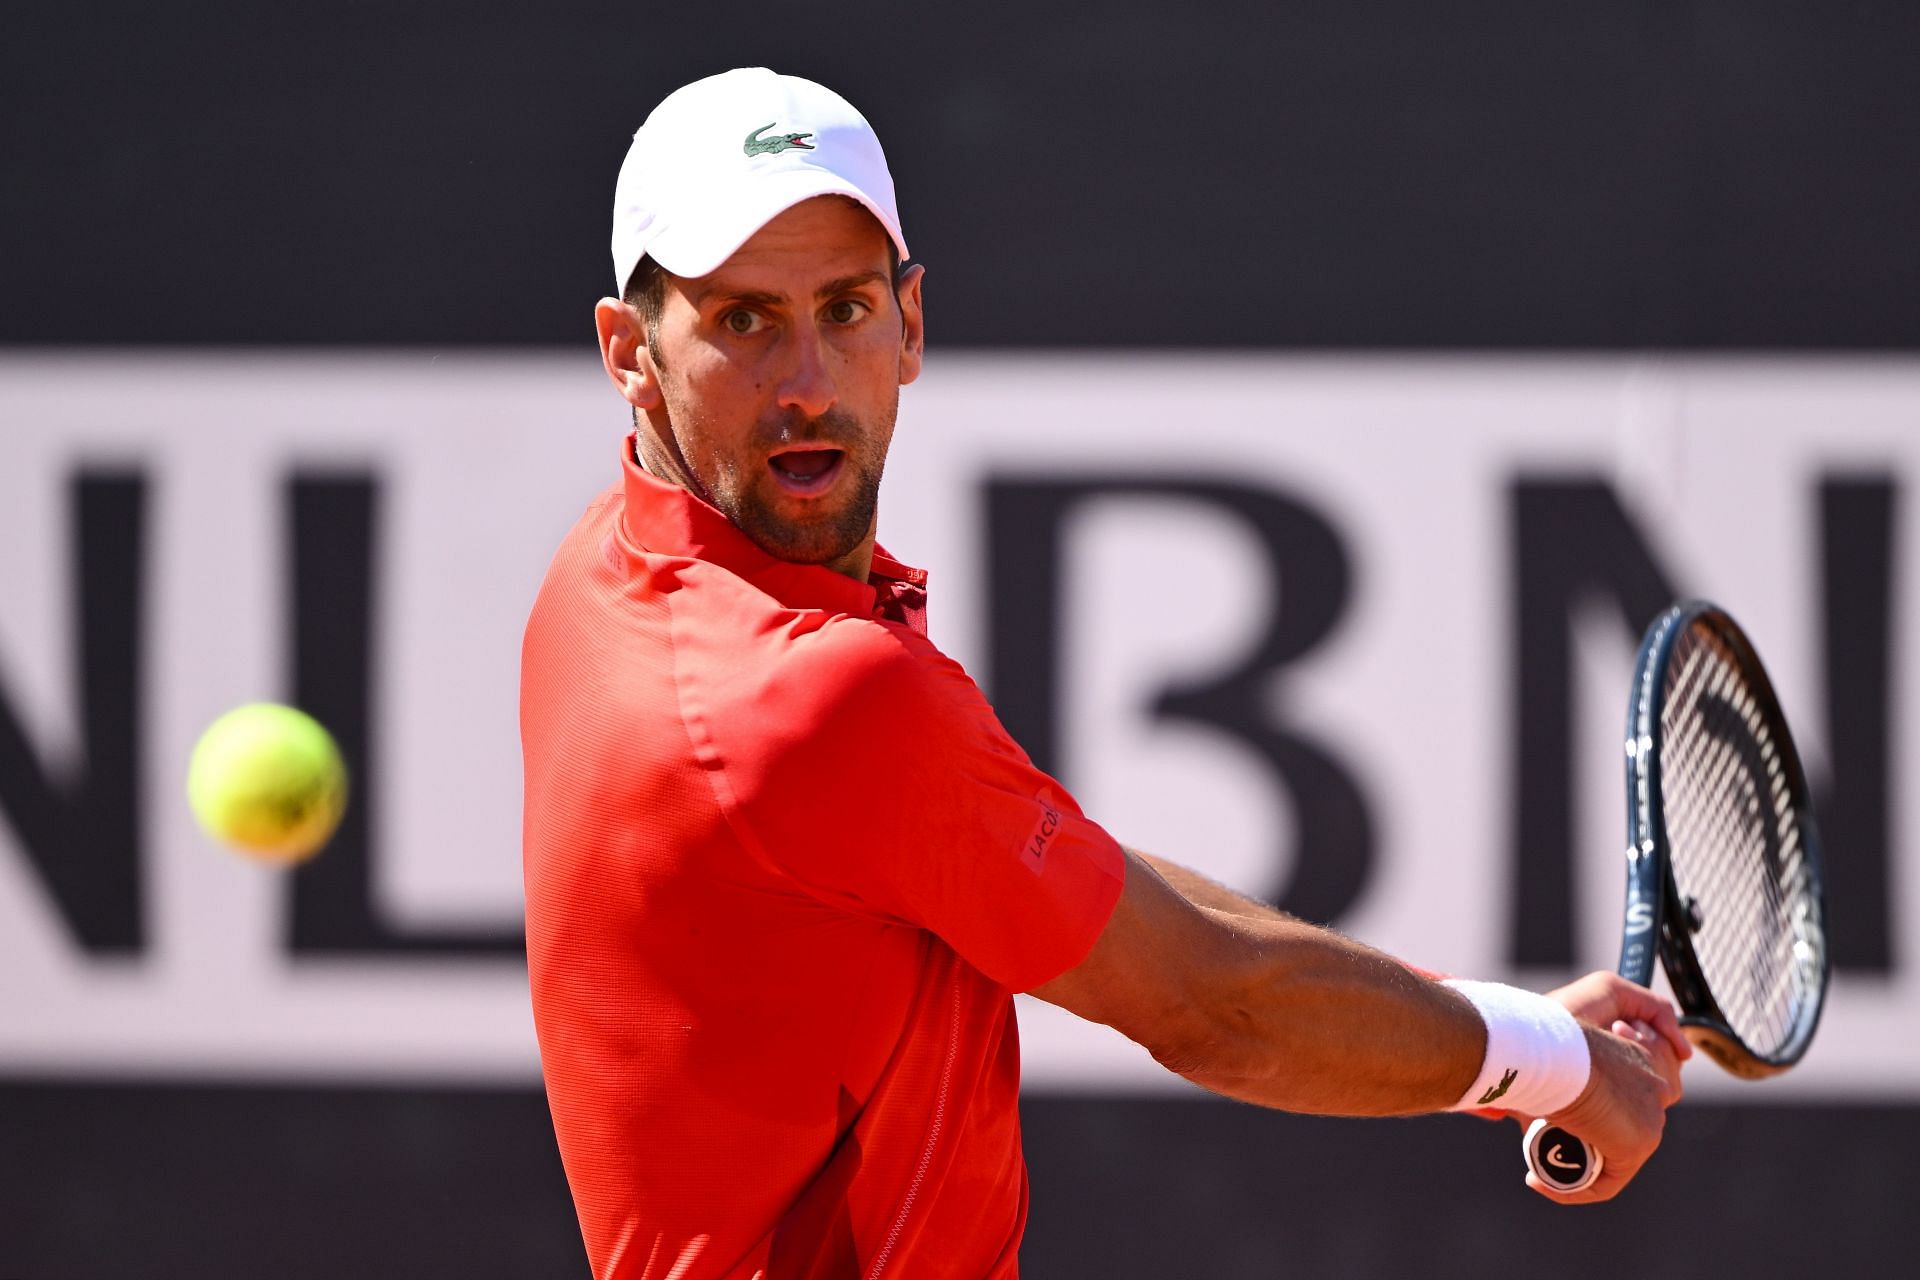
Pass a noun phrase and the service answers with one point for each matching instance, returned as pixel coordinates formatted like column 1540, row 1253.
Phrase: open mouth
column 806, row 473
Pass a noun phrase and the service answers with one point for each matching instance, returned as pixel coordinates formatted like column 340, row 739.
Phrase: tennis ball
column 268, row 780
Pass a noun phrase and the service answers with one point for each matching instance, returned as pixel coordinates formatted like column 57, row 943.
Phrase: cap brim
column 692, row 247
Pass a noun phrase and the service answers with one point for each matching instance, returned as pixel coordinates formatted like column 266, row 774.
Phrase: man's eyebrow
column 757, row 297
column 762, row 298
column 847, row 284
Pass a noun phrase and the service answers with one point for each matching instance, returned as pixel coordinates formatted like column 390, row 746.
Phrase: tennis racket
column 1723, row 862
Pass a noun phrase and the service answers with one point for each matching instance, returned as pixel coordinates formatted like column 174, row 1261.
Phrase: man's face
column 779, row 377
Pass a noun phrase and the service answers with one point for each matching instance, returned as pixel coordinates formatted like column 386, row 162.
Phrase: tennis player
column 784, row 868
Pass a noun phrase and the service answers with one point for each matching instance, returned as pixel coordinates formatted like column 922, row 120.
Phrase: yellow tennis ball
column 268, row 780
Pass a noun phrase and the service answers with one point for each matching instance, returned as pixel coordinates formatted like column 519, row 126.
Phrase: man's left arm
column 1202, row 892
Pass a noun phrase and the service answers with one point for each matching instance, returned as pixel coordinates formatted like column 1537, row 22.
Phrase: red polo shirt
column 784, row 871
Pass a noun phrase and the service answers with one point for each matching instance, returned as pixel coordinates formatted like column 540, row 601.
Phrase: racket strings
column 1733, row 755
column 1734, row 833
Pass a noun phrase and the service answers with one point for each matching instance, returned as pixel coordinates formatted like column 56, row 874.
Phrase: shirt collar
column 667, row 520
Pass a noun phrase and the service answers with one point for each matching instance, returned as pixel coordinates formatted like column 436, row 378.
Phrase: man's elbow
column 1215, row 1041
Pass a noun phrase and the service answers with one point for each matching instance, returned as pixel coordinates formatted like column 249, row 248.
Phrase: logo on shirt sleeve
column 1035, row 849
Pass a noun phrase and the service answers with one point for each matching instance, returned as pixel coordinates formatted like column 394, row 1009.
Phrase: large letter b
column 1026, row 521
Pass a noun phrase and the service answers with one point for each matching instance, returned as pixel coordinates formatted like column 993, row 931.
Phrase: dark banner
column 307, row 1184
column 1384, row 173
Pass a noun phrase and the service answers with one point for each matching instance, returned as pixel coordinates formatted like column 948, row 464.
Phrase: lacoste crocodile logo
column 759, row 146
column 1506, row 1082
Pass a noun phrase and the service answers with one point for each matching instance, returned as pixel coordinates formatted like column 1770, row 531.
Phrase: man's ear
column 623, row 350
column 913, row 325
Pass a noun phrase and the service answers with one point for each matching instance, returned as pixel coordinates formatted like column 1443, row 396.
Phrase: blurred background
column 1321, row 398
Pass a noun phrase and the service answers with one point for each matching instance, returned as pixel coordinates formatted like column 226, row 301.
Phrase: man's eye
column 845, row 311
column 742, row 321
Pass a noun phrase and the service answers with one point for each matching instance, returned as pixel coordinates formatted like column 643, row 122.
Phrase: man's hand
column 1635, row 1077
column 1604, row 998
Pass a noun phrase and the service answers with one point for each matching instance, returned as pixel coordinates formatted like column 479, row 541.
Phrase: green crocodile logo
column 759, row 146
column 1506, row 1082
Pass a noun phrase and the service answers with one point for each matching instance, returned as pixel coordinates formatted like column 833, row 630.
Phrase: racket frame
column 1657, row 921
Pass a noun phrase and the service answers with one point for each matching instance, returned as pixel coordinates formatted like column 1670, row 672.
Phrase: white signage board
column 479, row 462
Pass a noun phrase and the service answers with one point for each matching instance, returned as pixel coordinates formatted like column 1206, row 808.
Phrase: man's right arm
column 1274, row 1011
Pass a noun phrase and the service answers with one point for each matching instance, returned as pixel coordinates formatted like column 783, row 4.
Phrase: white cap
column 722, row 157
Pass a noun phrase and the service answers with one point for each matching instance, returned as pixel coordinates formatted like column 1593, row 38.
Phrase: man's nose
column 809, row 386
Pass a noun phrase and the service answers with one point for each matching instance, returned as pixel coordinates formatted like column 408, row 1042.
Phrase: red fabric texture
column 784, row 871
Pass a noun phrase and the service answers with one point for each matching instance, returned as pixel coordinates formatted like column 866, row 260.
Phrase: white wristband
column 1537, row 1059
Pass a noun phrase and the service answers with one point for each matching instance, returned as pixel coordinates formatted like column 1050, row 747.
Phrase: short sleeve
column 869, row 767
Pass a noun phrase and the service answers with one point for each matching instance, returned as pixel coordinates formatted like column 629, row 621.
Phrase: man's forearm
column 1250, row 1002
column 1327, row 1025
column 1202, row 892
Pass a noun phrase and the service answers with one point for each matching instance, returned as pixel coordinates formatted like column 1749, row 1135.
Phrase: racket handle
column 1562, row 1161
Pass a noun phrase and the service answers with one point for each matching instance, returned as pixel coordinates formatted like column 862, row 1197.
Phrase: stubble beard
column 827, row 537
column 751, row 501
